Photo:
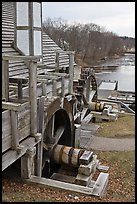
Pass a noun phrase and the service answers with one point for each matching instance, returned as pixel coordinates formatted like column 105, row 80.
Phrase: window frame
column 30, row 27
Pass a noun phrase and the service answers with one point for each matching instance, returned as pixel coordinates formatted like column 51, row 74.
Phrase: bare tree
column 90, row 42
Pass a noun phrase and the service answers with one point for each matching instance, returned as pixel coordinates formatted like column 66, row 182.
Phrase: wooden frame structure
column 20, row 105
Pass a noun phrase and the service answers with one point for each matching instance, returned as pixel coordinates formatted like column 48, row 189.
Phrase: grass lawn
column 124, row 127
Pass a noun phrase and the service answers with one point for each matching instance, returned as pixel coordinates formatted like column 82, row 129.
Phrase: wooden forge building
column 39, row 103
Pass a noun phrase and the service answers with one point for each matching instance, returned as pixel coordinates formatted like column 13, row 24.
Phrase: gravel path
column 111, row 144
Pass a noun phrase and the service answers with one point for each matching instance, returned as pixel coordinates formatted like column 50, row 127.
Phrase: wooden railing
column 32, row 61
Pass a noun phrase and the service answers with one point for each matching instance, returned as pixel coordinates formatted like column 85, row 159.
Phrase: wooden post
column 44, row 84
column 5, row 79
column 88, row 89
column 39, row 152
column 27, row 163
column 63, row 86
column 77, row 135
column 33, row 96
column 14, row 129
column 71, row 71
column 20, row 89
column 54, row 87
column 57, row 62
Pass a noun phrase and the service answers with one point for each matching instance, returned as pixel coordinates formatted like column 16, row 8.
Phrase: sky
column 116, row 17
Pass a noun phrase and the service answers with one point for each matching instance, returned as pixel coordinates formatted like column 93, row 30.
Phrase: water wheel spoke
column 59, row 133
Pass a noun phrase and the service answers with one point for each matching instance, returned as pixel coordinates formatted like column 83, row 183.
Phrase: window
column 23, row 41
column 22, row 14
column 28, row 37
column 36, row 14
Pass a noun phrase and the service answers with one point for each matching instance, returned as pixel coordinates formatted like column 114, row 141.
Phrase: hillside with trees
column 91, row 42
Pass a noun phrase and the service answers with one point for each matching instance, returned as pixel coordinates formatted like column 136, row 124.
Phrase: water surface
column 124, row 72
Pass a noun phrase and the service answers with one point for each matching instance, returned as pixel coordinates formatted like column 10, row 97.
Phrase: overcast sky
column 116, row 17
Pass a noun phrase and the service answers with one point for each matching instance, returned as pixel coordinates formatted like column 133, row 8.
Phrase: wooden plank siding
column 16, row 132
column 23, row 125
column 49, row 53
column 18, row 68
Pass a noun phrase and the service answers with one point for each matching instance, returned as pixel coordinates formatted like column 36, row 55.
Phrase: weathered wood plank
column 39, row 147
column 58, row 184
column 100, row 186
column 83, row 113
column 103, row 168
column 24, row 121
column 86, row 157
column 88, row 118
column 11, row 156
column 63, row 86
column 24, row 132
column 5, row 80
column 14, row 106
column 23, row 113
column 24, row 58
column 63, row 177
column 6, row 143
column 27, row 163
column 89, row 168
column 54, row 87
column 14, row 130
column 77, row 136
column 6, row 129
column 33, row 96
column 71, row 71
column 5, row 116
column 7, row 138
column 82, row 179
column 10, row 106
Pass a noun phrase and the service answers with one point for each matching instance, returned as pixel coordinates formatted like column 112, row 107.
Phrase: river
column 124, row 72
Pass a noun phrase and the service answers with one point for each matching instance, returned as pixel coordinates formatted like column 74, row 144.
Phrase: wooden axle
column 68, row 155
column 96, row 106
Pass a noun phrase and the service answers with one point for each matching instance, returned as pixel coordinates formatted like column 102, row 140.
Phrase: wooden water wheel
column 58, row 129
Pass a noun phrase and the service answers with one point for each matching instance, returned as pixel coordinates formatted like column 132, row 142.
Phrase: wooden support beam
column 39, row 147
column 87, row 89
column 71, row 71
column 19, row 57
column 54, row 87
column 5, row 80
column 33, row 96
column 77, row 135
column 57, row 62
column 59, row 184
column 44, row 90
column 27, row 163
column 14, row 130
column 20, row 89
column 47, row 76
column 10, row 106
column 100, row 186
column 84, row 111
column 58, row 134
column 88, row 118
column 15, row 106
column 63, row 86
column 11, row 156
